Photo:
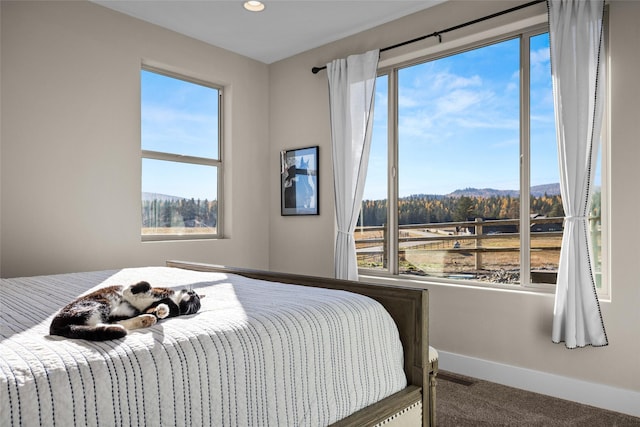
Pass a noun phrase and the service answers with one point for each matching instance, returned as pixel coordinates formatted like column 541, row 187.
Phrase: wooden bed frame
column 408, row 307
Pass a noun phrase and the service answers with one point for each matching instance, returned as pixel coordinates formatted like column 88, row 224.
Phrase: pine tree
column 464, row 209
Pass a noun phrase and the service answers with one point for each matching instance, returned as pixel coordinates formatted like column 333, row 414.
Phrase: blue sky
column 178, row 117
column 458, row 127
column 459, row 123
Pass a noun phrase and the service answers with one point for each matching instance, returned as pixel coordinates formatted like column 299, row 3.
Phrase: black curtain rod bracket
column 438, row 34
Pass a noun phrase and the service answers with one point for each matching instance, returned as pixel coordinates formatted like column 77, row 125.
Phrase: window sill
column 178, row 238
column 424, row 283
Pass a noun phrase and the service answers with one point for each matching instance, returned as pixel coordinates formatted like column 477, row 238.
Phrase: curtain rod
column 438, row 34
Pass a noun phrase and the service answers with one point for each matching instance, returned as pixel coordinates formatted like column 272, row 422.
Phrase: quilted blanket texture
column 257, row 354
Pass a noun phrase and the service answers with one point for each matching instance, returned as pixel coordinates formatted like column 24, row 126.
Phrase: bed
column 265, row 349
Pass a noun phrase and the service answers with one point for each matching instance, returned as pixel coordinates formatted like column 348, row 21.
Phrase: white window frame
column 524, row 29
column 206, row 161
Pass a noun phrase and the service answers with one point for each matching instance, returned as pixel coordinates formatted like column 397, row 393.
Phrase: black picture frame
column 299, row 181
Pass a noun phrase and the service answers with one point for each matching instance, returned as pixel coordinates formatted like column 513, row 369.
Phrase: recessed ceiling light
column 254, row 6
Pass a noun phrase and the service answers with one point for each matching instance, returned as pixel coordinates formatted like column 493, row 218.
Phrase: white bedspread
column 257, row 353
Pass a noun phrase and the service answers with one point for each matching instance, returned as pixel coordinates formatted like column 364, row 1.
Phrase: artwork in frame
column 299, row 181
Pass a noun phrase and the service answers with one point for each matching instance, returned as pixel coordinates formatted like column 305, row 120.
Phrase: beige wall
column 510, row 328
column 71, row 141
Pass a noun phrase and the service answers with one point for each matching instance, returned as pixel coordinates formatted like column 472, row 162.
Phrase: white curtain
column 577, row 67
column 351, row 95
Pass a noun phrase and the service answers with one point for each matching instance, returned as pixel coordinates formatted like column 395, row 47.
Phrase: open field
column 492, row 258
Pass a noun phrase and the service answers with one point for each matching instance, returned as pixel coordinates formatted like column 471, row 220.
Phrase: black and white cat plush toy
column 110, row 312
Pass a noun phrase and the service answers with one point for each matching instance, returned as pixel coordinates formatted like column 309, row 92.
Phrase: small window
column 181, row 161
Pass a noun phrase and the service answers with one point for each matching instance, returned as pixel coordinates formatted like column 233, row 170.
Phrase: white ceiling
column 283, row 29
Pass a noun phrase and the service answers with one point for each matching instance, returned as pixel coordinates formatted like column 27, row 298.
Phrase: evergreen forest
column 425, row 209
column 176, row 212
column 415, row 209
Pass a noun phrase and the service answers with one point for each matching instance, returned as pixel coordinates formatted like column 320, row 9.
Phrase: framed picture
column 299, row 181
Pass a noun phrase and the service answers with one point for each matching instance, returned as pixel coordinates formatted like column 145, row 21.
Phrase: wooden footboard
column 408, row 307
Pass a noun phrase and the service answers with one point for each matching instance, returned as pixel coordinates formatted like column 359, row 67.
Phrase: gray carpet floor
column 483, row 403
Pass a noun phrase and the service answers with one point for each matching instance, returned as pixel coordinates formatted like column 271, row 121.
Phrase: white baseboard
column 588, row 393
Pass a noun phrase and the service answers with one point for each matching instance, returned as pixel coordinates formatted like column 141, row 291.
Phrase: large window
column 464, row 148
column 181, row 161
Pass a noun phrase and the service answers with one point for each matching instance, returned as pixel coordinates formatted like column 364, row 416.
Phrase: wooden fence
column 433, row 237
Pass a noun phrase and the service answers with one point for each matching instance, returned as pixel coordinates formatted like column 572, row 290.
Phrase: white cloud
column 458, row 101
column 446, row 81
column 408, row 99
column 540, row 57
column 540, row 65
column 417, row 125
column 162, row 115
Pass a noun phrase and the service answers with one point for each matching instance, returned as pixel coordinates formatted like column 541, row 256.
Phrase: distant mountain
column 548, row 189
column 536, row 191
column 147, row 197
column 483, row 192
